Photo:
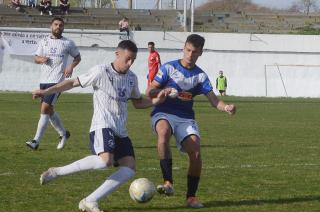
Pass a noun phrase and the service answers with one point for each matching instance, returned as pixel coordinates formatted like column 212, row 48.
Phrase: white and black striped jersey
column 58, row 51
column 111, row 92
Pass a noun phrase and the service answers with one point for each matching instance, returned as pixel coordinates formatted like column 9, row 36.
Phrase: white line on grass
column 243, row 166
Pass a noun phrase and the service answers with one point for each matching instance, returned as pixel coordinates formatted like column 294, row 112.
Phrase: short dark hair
column 129, row 45
column 57, row 19
column 151, row 43
column 196, row 40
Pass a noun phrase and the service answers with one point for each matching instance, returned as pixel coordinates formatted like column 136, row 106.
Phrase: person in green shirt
column 221, row 84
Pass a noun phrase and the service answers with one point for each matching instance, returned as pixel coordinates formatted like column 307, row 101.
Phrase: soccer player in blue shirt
column 182, row 80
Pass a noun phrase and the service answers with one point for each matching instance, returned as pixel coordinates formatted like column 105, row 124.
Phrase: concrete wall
column 255, row 65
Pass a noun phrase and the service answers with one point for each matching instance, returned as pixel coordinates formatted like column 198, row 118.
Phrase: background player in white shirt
column 114, row 84
column 52, row 54
column 175, row 116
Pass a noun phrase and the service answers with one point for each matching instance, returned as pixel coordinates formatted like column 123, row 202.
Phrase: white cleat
column 47, row 176
column 63, row 140
column 89, row 206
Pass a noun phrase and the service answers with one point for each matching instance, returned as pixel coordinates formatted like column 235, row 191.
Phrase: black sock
column 166, row 168
column 193, row 183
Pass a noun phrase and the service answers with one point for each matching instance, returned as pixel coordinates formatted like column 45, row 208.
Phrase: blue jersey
column 188, row 82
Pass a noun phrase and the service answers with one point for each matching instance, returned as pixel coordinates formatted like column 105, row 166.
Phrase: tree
column 305, row 6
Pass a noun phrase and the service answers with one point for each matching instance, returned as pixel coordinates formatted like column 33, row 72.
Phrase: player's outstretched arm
column 60, row 87
column 220, row 105
column 145, row 103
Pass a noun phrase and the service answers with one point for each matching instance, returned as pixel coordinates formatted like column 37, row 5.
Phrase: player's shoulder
column 130, row 73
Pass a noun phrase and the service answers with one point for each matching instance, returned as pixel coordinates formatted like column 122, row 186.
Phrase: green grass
column 265, row 158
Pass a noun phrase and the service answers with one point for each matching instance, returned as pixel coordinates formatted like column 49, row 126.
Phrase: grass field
column 265, row 158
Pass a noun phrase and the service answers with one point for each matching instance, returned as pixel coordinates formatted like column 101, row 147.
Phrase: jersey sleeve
column 135, row 94
column 162, row 75
column 39, row 51
column 73, row 51
column 90, row 78
column 206, row 85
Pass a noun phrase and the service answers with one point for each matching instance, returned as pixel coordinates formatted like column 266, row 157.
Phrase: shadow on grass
column 227, row 203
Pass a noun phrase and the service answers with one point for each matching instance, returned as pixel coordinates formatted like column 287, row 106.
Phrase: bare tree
column 305, row 6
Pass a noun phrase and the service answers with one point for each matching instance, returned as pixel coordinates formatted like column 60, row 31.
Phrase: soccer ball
column 142, row 190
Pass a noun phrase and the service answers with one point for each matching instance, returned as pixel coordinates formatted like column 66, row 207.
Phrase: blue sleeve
column 206, row 86
column 162, row 76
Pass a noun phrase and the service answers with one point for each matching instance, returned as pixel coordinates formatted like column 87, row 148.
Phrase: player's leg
column 57, row 124
column 188, row 141
column 163, row 129
column 101, row 143
column 124, row 155
column 191, row 145
column 45, row 112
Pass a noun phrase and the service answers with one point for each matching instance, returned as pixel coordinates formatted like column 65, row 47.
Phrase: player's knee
column 194, row 155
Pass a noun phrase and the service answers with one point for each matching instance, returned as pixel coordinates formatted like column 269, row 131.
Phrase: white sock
column 42, row 126
column 87, row 163
column 113, row 182
column 57, row 124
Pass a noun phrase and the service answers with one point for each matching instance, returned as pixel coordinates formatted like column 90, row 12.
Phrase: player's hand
column 44, row 60
column 231, row 109
column 37, row 94
column 161, row 97
column 68, row 72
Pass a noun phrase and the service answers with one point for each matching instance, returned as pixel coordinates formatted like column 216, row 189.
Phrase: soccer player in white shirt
column 113, row 84
column 52, row 54
column 175, row 115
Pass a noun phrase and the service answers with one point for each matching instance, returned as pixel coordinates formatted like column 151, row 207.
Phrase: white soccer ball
column 142, row 190
column 173, row 93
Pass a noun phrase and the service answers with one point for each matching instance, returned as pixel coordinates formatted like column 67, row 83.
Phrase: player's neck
column 187, row 65
column 116, row 69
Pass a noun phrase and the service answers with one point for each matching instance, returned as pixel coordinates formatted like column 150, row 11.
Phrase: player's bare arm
column 220, row 105
column 60, row 87
column 40, row 59
column 69, row 69
column 154, row 89
column 145, row 103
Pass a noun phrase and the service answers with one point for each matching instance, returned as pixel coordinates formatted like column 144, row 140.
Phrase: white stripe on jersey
column 110, row 98
column 58, row 51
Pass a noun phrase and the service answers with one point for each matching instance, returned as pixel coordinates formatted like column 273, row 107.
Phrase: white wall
column 243, row 57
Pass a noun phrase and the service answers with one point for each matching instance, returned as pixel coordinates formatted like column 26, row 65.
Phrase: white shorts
column 181, row 127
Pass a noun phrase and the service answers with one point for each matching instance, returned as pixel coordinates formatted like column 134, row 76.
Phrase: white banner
column 21, row 43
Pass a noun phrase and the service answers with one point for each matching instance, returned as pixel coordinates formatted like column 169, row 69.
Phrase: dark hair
column 196, row 40
column 151, row 43
column 129, row 45
column 57, row 19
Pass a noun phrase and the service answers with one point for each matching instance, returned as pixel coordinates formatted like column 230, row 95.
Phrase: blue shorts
column 49, row 99
column 105, row 140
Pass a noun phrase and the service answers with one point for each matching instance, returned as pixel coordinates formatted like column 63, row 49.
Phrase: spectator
column 221, row 84
column 31, row 3
column 138, row 27
column 64, row 6
column 16, row 4
column 124, row 25
column 45, row 6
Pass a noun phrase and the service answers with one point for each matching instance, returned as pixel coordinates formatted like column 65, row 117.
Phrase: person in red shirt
column 154, row 62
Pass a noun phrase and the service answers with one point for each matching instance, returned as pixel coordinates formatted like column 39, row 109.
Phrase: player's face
column 124, row 59
column 151, row 48
column 190, row 55
column 57, row 28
